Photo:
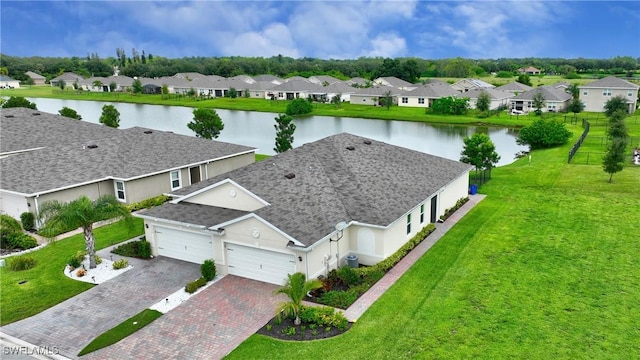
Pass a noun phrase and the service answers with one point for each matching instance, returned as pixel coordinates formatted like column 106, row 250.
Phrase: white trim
column 254, row 216
column 220, row 183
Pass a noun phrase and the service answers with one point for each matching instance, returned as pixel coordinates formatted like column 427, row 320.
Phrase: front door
column 434, row 208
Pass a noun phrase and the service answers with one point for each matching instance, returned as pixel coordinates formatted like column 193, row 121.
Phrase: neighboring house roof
column 67, row 159
column 189, row 76
column 528, row 69
column 34, row 76
column 339, row 178
column 244, row 78
column 514, row 86
column 297, row 78
column 322, row 79
column 6, row 78
column 377, row 91
column 339, row 87
column 472, row 83
column 357, row 81
column 269, row 78
column 393, row 81
column 611, row 82
column 299, row 85
column 434, row 90
column 494, row 94
column 549, row 93
column 68, row 76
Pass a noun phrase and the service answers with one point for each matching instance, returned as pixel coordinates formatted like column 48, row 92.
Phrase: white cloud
column 387, row 45
column 274, row 39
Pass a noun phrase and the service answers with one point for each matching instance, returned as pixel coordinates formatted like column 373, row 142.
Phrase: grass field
column 546, row 267
column 46, row 283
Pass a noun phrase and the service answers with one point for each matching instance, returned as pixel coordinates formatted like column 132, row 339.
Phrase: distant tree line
column 409, row 69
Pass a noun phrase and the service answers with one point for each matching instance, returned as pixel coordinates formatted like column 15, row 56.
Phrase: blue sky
column 323, row 29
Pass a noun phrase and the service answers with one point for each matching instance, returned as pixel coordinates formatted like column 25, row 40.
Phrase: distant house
column 465, row 85
column 67, row 78
column 323, row 80
column 394, row 82
column 514, row 87
column 358, row 82
column 529, row 70
column 37, row 78
column 8, row 83
column 555, row 99
column 595, row 94
column 307, row 209
column 50, row 157
column 298, row 87
column 374, row 95
column 497, row 97
column 425, row 95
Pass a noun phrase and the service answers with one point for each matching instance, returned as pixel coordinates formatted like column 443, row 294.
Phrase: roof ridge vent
column 351, row 148
column 92, row 146
column 290, row 175
column 367, row 142
column 9, row 116
column 36, row 114
column 148, row 132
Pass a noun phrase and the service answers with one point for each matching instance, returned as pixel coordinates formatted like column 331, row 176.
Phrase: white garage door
column 184, row 245
column 260, row 264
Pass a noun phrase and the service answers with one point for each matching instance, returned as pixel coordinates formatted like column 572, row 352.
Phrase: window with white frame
column 630, row 93
column 405, row 100
column 606, row 92
column 422, row 214
column 420, row 100
column 408, row 224
column 586, row 92
column 175, row 180
column 120, row 194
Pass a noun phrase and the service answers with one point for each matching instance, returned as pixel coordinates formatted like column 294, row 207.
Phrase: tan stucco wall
column 594, row 100
column 229, row 196
column 222, row 166
column 363, row 99
column 92, row 191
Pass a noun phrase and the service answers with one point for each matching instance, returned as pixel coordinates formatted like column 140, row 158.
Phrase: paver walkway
column 72, row 324
column 208, row 326
column 361, row 305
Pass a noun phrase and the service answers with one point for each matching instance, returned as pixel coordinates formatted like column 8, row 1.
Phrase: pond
column 256, row 129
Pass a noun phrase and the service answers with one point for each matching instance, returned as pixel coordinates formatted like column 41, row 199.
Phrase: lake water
column 256, row 129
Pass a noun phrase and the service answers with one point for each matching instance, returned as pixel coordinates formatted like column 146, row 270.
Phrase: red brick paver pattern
column 358, row 308
column 208, row 326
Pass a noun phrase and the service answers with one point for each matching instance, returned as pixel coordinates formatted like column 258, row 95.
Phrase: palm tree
column 296, row 288
column 82, row 212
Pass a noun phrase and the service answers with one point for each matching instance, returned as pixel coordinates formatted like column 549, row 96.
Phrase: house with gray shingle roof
column 8, row 83
column 394, row 82
column 425, row 95
column 68, row 78
column 497, row 98
column 465, row 85
column 555, row 99
column 374, row 95
column 37, row 78
column 307, row 209
column 50, row 157
column 514, row 87
column 595, row 94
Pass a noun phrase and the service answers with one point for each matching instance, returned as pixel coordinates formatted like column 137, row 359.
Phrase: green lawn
column 546, row 267
column 46, row 284
column 121, row 331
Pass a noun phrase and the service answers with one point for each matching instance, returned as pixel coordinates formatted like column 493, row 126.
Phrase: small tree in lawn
column 296, row 288
column 110, row 116
column 480, row 152
column 113, row 86
column 137, row 86
column 614, row 104
column 337, row 100
column 206, row 123
column 575, row 106
column 97, row 84
column 543, row 134
column 484, row 101
column 614, row 158
column 617, row 127
column 232, row 93
column 70, row 113
column 538, row 102
column 81, row 213
column 165, row 91
column 62, row 84
column 387, row 100
column 524, row 79
column 284, row 133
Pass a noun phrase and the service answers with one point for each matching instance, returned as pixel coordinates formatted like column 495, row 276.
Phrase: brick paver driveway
column 208, row 326
column 72, row 324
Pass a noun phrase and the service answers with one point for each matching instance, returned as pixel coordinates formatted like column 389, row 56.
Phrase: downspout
column 35, row 201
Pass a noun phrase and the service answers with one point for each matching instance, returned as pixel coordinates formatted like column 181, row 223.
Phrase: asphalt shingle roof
column 374, row 183
column 549, row 93
column 67, row 159
column 611, row 82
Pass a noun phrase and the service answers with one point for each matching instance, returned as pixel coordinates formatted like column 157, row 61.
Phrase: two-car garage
column 245, row 261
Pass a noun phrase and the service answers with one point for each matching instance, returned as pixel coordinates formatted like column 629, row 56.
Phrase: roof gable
column 611, row 82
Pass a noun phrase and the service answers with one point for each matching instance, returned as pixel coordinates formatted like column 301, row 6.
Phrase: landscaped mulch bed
column 283, row 331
